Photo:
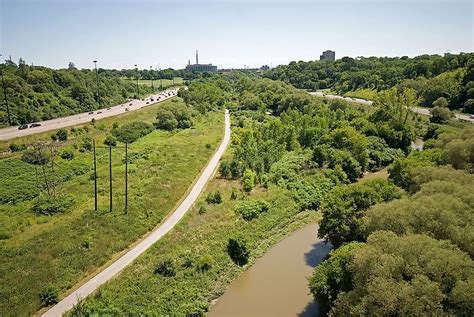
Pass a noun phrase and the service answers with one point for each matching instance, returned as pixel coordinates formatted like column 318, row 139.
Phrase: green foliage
column 289, row 167
column 37, row 155
column 172, row 116
column 130, row 132
column 380, row 155
column 442, row 209
column 53, row 205
column 224, row 169
column 166, row 268
column 110, row 140
column 38, row 93
column 48, row 296
column 214, row 197
column 205, row 263
column 251, row 209
column 333, row 276
column 237, row 248
column 310, row 191
column 17, row 147
column 202, row 210
column 407, row 276
column 248, row 180
column 67, row 154
column 86, row 144
column 440, row 115
column 344, row 206
column 62, row 135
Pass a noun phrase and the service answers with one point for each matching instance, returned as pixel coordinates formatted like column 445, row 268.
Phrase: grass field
column 60, row 250
column 164, row 82
column 201, row 237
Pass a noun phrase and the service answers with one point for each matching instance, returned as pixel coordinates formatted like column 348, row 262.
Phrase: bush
column 238, row 250
column 208, row 146
column 86, row 144
column 248, row 179
column 233, row 194
column 17, row 147
column 224, row 169
column 110, row 140
column 166, row 268
column 205, row 263
column 62, row 135
column 48, row 296
column 173, row 116
column 202, row 210
column 440, row 115
column 249, row 210
column 86, row 242
column 130, row 132
column 67, row 154
column 36, row 156
column 53, row 205
column 214, row 197
column 235, row 169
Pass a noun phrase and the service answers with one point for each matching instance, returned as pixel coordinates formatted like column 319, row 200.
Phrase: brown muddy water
column 277, row 284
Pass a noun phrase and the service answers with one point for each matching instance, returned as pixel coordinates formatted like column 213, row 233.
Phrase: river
column 276, row 285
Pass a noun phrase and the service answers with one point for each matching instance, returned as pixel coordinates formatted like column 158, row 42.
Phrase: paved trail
column 117, row 266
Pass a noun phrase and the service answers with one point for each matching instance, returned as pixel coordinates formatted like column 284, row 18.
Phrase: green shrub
column 233, row 194
column 224, row 169
column 248, row 180
column 48, row 296
column 86, row 144
column 173, row 116
column 130, row 132
column 67, row 154
column 53, row 205
column 214, row 197
column 62, row 135
column 205, row 263
column 202, row 210
column 17, row 147
column 251, row 209
column 237, row 248
column 110, row 140
column 166, row 268
column 208, row 146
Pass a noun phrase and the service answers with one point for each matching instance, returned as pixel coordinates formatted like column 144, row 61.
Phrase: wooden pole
column 126, row 177
column 95, row 179
column 110, row 177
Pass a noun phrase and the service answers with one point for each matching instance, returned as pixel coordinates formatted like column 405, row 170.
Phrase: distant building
column 264, row 68
column 328, row 56
column 209, row 68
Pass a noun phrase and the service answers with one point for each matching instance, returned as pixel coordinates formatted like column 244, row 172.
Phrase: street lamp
column 138, row 92
column 97, row 82
column 151, row 72
column 5, row 95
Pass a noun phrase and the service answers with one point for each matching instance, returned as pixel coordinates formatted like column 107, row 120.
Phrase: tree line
column 432, row 76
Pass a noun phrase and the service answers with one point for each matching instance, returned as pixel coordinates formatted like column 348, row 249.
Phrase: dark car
column 23, row 127
column 34, row 125
column 108, row 108
column 99, row 112
column 147, row 102
column 92, row 112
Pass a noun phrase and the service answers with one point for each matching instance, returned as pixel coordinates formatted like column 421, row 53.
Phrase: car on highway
column 130, row 104
column 108, row 108
column 99, row 112
column 147, row 102
column 471, row 116
column 23, row 127
column 126, row 109
column 34, row 125
column 92, row 112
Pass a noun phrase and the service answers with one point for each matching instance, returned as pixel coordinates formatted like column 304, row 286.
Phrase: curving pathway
column 117, row 266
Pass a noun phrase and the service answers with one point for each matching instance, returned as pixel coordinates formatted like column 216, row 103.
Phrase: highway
column 14, row 132
column 113, row 269
column 419, row 110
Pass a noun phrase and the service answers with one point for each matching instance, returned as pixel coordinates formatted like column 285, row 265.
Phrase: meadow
column 56, row 252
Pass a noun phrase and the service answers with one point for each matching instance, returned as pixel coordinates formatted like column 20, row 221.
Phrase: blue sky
column 229, row 33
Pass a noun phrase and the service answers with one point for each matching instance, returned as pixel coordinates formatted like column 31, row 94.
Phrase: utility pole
column 126, row 178
column 95, row 179
column 138, row 92
column 5, row 95
column 97, row 81
column 110, row 177
column 152, row 88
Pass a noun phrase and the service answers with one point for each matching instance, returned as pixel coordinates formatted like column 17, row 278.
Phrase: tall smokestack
column 197, row 60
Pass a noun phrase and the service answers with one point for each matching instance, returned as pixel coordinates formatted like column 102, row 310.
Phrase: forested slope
column 432, row 76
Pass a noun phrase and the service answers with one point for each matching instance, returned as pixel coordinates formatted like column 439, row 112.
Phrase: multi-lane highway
column 14, row 132
column 419, row 110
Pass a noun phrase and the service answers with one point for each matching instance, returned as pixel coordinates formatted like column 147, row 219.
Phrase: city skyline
column 163, row 34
